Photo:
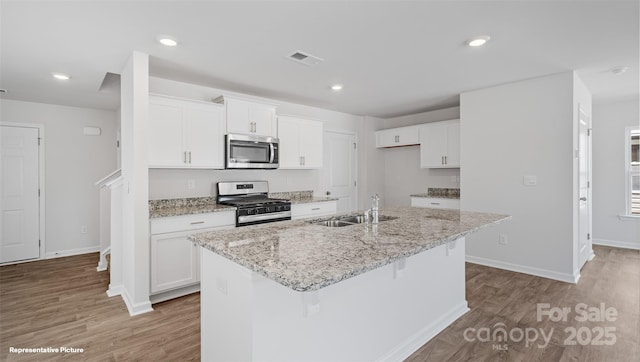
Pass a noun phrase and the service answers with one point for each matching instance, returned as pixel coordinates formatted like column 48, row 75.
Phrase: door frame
column 355, row 161
column 41, row 183
column 589, row 155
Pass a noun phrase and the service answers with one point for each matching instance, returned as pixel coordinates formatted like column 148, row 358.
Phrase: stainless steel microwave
column 247, row 151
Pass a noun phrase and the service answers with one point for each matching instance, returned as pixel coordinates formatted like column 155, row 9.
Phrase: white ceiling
column 394, row 58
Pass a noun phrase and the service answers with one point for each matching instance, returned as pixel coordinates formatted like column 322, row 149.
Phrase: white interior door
column 584, row 176
column 19, row 182
column 339, row 172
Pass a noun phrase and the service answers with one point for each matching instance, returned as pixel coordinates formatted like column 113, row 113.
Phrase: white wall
column 507, row 132
column 73, row 163
column 165, row 183
column 135, row 204
column 402, row 173
column 609, row 123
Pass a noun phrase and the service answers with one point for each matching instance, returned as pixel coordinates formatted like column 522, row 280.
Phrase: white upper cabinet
column 300, row 143
column 246, row 117
column 185, row 134
column 396, row 137
column 440, row 144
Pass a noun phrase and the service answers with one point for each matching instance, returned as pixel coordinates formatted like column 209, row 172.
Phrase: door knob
column 583, row 199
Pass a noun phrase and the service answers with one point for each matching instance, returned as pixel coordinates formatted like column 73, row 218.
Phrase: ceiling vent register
column 304, row 58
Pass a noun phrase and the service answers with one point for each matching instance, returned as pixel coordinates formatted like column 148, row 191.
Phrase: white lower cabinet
column 435, row 203
column 313, row 209
column 175, row 260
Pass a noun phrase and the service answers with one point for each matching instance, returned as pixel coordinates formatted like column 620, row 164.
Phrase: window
column 633, row 171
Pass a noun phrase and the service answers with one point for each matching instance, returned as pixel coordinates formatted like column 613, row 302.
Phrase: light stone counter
column 190, row 206
column 307, row 257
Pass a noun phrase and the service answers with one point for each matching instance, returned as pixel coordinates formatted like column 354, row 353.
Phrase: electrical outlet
column 502, row 239
column 83, row 229
column 191, row 184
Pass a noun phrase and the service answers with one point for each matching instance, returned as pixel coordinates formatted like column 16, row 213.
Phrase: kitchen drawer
column 193, row 222
column 435, row 203
column 313, row 209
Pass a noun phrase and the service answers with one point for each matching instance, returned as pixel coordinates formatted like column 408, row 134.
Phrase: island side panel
column 384, row 314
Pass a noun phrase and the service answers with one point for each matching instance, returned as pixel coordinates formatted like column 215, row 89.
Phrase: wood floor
column 62, row 303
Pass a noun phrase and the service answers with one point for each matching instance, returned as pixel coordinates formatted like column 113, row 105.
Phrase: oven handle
column 273, row 152
column 273, row 215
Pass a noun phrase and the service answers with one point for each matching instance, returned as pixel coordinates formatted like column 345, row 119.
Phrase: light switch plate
column 530, row 180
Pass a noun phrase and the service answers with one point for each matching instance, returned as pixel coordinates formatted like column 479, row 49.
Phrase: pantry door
column 19, row 185
column 339, row 173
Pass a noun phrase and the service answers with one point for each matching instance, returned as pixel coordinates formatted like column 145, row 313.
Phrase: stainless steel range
column 251, row 198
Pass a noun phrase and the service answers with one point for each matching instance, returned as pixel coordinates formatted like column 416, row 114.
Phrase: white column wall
column 135, row 244
column 508, row 132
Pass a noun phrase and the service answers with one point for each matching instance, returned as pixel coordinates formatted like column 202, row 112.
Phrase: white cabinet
column 300, row 143
column 440, row 145
column 396, row 137
column 175, row 261
column 247, row 117
column 313, row 209
column 435, row 203
column 185, row 134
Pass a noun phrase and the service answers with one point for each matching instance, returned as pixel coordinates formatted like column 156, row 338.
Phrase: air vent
column 304, row 58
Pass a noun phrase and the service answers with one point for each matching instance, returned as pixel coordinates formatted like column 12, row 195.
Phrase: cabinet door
column 166, row 138
column 408, row 135
column 205, row 139
column 453, row 145
column 311, row 142
column 174, row 261
column 386, row 138
column 433, row 145
column 264, row 120
column 238, row 115
column 288, row 134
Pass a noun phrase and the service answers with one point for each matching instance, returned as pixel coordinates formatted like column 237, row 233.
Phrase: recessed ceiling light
column 167, row 41
column 60, row 76
column 619, row 70
column 478, row 41
column 337, row 87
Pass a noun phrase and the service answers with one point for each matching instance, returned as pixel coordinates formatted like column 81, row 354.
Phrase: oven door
column 244, row 151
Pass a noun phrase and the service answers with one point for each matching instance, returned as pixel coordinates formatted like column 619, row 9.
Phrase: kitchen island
column 300, row 291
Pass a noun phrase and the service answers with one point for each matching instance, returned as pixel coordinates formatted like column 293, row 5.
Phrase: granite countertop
column 300, row 197
column 440, row 193
column 307, row 257
column 190, row 206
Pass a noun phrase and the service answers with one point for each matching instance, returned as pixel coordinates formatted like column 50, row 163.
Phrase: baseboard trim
column 114, row 290
column 176, row 293
column 617, row 244
column 71, row 252
column 408, row 347
column 549, row 274
column 135, row 309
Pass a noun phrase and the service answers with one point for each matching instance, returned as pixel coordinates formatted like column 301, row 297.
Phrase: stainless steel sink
column 348, row 220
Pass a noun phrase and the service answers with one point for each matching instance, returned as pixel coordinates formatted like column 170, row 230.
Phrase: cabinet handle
column 435, row 203
column 185, row 156
column 197, row 222
column 304, row 160
column 300, row 161
column 189, row 156
column 445, row 160
column 442, row 160
column 315, row 209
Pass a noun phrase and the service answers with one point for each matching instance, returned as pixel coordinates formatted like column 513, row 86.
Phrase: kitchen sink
column 348, row 220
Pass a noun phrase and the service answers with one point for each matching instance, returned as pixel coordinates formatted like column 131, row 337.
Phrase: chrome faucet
column 375, row 199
